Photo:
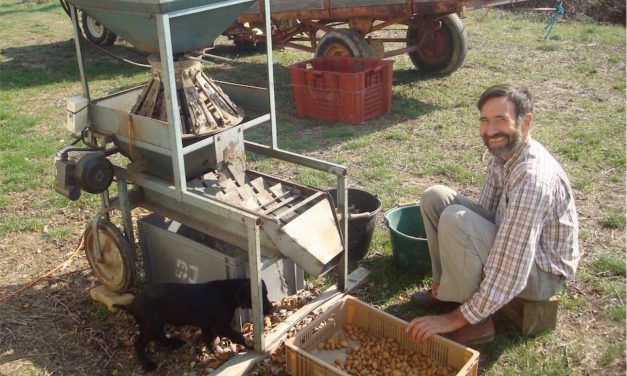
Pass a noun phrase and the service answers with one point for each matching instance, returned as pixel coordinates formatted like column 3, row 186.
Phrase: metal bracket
column 95, row 237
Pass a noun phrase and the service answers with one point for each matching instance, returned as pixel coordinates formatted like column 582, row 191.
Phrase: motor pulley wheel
column 116, row 269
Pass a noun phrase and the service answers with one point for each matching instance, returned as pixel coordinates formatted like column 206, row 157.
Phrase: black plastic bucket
column 361, row 225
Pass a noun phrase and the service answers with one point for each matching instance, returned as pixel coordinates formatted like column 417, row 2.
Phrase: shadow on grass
column 52, row 63
column 46, row 8
column 55, row 326
column 301, row 134
column 388, row 279
column 38, row 65
column 412, row 76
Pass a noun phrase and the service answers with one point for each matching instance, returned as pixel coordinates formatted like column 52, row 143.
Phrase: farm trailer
column 435, row 38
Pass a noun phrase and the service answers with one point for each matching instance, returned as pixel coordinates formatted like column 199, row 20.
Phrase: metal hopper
column 134, row 20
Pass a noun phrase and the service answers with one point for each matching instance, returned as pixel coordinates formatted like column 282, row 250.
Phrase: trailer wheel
column 443, row 50
column 96, row 32
column 343, row 42
column 117, row 271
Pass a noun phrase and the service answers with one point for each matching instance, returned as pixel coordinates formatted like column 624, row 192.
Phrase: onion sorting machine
column 183, row 134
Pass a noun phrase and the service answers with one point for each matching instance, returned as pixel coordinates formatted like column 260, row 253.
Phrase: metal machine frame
column 179, row 200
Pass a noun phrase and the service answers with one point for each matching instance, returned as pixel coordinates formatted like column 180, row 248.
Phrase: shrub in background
column 605, row 10
column 612, row 11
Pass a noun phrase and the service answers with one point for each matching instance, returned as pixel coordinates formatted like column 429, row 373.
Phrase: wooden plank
column 239, row 364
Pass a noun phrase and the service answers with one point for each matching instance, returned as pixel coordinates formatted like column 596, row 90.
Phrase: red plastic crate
column 345, row 89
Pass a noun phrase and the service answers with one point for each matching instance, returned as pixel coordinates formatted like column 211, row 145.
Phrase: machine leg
column 125, row 208
column 78, row 43
column 342, row 204
column 169, row 84
column 254, row 264
column 106, row 203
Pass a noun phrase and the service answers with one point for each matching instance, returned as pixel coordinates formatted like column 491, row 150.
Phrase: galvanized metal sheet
column 316, row 231
column 134, row 21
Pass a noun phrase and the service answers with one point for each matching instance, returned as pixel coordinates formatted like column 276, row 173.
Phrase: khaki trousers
column 460, row 234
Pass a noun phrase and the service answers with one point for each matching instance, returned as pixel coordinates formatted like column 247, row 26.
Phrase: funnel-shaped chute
column 205, row 109
column 135, row 20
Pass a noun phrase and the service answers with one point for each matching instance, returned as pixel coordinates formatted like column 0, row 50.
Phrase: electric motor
column 85, row 169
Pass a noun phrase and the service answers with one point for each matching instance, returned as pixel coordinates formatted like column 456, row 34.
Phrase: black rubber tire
column 343, row 42
column 443, row 51
column 96, row 32
column 117, row 272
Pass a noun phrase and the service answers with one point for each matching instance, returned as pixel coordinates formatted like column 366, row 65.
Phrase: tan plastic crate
column 302, row 348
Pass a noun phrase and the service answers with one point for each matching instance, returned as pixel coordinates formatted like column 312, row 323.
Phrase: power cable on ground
column 46, row 274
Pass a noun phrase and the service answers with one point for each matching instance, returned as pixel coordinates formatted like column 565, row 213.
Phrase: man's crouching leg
column 432, row 203
column 465, row 239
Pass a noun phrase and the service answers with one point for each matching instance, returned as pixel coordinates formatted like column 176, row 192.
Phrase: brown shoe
column 426, row 300
column 476, row 334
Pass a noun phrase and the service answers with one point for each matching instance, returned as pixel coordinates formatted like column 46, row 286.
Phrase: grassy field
column 430, row 136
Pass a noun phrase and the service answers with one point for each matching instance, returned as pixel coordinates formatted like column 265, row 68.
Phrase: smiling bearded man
column 519, row 239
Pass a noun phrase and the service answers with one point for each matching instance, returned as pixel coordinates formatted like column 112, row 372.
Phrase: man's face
column 498, row 128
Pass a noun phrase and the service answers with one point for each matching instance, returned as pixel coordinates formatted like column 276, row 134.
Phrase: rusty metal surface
column 364, row 17
column 362, row 25
column 318, row 13
column 480, row 4
column 343, row 11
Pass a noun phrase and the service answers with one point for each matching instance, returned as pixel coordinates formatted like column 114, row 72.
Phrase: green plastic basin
column 409, row 240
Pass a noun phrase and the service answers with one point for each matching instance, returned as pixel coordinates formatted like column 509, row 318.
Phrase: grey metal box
column 174, row 253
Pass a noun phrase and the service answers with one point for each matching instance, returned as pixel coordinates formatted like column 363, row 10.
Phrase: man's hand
column 421, row 328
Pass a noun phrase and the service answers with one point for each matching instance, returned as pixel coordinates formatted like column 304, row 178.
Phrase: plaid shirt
column 534, row 210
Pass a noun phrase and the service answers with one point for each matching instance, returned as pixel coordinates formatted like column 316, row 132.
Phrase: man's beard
column 514, row 141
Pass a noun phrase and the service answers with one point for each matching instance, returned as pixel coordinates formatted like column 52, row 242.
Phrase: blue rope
column 559, row 11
